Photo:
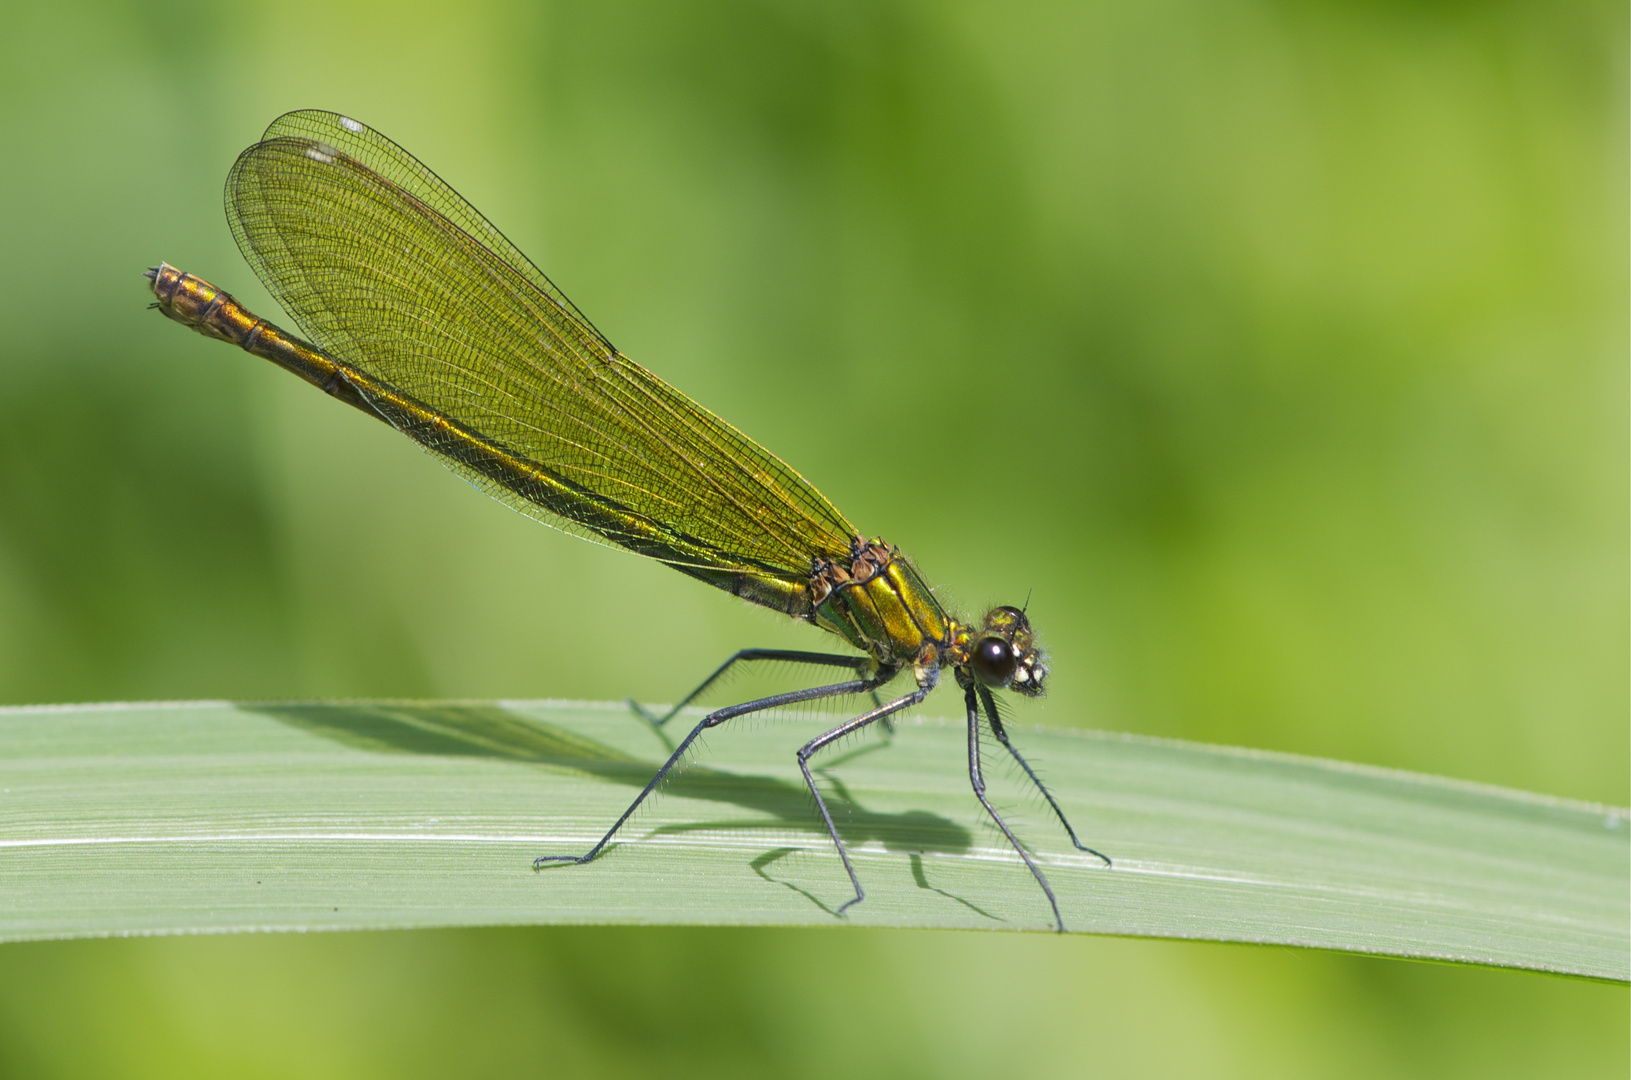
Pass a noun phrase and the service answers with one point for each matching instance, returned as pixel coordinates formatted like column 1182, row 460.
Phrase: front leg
column 977, row 778
column 1002, row 736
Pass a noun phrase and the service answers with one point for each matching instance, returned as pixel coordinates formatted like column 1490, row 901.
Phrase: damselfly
column 422, row 314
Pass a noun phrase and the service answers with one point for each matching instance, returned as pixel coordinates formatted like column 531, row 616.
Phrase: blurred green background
column 1277, row 349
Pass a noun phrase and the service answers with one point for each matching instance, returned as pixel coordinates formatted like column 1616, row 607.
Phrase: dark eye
column 993, row 661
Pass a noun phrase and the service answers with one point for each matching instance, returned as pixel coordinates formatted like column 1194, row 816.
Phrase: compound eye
column 1006, row 619
column 993, row 661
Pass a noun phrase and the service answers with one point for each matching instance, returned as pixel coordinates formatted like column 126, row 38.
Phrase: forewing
column 387, row 268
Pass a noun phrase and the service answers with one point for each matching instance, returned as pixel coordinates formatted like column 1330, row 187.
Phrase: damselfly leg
column 977, row 779
column 849, row 727
column 720, row 716
column 857, row 664
column 1001, row 733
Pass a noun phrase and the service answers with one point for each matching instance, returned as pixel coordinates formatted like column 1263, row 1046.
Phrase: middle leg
column 846, row 728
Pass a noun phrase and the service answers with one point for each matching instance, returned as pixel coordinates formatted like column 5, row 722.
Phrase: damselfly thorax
column 877, row 602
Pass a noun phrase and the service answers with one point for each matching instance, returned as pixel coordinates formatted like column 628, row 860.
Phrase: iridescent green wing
column 388, row 269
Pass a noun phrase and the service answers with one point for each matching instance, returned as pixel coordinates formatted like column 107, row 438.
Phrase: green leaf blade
column 218, row 817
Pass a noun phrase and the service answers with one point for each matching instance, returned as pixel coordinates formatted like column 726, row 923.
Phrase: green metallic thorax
column 879, row 604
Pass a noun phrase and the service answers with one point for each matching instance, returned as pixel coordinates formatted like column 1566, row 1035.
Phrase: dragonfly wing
column 388, row 269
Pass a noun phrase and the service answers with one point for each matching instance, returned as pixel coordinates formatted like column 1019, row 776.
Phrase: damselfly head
column 1005, row 654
